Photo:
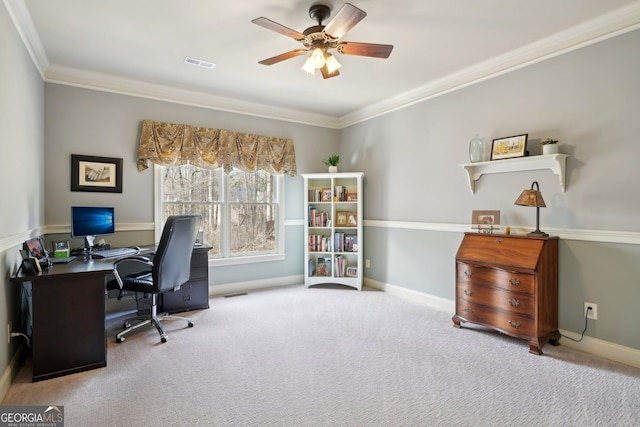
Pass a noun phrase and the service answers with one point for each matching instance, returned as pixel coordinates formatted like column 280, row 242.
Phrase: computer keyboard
column 64, row 260
column 115, row 253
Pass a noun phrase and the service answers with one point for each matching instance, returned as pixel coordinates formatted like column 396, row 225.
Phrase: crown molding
column 21, row 18
column 124, row 86
column 614, row 23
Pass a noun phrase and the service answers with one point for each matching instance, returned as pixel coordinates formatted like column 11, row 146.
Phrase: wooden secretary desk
column 509, row 283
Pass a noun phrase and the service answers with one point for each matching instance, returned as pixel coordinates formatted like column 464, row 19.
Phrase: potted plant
column 549, row 146
column 332, row 162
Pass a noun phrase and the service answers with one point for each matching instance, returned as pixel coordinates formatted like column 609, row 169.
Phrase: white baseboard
column 10, row 372
column 606, row 350
column 234, row 288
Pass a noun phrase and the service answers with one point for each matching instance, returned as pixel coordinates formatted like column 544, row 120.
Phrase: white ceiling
column 139, row 47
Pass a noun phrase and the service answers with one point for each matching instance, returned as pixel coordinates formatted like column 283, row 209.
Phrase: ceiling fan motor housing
column 319, row 12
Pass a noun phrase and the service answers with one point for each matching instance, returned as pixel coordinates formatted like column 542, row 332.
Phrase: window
column 242, row 212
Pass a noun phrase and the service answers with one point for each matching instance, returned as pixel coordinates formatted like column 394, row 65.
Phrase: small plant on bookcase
column 332, row 161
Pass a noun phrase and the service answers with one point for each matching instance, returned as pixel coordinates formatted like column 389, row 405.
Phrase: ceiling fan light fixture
column 308, row 66
column 332, row 63
column 317, row 58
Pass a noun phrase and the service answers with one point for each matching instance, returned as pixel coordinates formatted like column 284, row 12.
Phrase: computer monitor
column 90, row 221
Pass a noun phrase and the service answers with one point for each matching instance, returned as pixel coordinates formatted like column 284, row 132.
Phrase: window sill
column 216, row 262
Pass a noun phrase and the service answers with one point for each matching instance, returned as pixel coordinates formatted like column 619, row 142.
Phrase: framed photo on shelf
column 507, row 148
column 485, row 221
column 341, row 219
column 352, row 197
column 91, row 173
column 352, row 272
column 327, row 195
column 352, row 219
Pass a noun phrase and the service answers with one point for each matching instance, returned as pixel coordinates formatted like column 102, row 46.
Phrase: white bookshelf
column 333, row 229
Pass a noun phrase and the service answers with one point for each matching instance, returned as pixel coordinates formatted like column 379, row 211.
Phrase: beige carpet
column 336, row 357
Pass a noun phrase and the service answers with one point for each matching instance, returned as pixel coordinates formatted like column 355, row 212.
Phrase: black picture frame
column 96, row 174
column 509, row 147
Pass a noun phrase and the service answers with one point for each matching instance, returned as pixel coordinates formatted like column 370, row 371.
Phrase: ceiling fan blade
column 278, row 28
column 283, row 56
column 346, row 18
column 365, row 49
column 326, row 74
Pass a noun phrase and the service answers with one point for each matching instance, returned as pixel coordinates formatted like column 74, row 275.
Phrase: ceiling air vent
column 199, row 62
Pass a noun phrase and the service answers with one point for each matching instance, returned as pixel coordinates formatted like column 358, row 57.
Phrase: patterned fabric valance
column 170, row 144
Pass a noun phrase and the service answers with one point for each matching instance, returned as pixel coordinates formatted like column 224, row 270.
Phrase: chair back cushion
column 172, row 262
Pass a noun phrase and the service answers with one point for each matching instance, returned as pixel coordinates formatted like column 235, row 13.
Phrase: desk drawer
column 191, row 296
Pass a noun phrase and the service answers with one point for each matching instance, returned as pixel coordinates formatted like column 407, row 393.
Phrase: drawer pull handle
column 499, row 240
column 468, row 292
column 514, row 282
column 468, row 310
column 514, row 323
column 468, row 273
column 514, row 302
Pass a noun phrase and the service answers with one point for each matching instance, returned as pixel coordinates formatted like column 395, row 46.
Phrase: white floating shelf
column 555, row 162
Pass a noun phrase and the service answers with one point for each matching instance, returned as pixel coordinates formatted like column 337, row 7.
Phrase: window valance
column 171, row 144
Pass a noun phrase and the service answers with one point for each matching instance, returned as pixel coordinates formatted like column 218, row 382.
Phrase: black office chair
column 166, row 271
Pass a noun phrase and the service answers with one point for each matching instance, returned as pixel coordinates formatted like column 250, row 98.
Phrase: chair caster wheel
column 163, row 339
column 119, row 340
column 190, row 324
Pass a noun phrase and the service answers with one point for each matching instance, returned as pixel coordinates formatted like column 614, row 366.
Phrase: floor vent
column 235, row 295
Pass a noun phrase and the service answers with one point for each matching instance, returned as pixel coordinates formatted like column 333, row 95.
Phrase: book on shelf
column 319, row 243
column 345, row 242
column 342, row 194
column 340, row 266
column 323, row 266
column 314, row 195
column 317, row 218
column 312, row 267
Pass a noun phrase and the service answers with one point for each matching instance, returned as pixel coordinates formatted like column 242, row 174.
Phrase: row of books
column 342, row 242
column 321, row 267
column 340, row 193
column 318, row 218
column 319, row 243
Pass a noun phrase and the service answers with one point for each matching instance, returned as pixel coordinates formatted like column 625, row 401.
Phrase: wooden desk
column 68, row 314
column 69, row 307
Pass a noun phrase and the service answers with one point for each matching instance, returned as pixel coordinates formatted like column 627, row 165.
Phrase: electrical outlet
column 367, row 263
column 9, row 333
column 593, row 313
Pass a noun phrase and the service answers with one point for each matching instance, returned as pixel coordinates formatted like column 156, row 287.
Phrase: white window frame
column 218, row 261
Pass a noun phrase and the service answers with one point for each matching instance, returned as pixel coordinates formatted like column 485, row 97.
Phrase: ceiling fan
column 319, row 39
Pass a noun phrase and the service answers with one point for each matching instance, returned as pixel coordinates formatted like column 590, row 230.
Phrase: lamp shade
column 532, row 197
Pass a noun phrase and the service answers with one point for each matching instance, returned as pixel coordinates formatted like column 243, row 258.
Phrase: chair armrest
column 132, row 260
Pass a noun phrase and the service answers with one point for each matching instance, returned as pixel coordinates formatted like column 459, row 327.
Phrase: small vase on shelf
column 479, row 151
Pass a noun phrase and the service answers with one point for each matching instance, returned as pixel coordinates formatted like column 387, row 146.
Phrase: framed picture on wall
column 92, row 173
column 509, row 147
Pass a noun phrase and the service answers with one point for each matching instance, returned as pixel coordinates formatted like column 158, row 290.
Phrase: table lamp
column 533, row 197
